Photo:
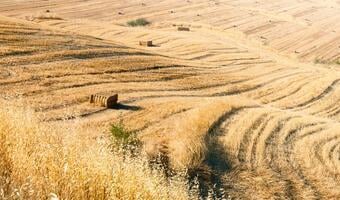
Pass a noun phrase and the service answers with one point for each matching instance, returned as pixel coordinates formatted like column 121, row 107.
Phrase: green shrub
column 138, row 22
column 121, row 136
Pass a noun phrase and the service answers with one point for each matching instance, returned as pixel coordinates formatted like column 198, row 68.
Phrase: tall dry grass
column 40, row 161
column 192, row 127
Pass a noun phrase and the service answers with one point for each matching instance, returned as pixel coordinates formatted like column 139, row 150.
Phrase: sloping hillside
column 308, row 30
column 240, row 115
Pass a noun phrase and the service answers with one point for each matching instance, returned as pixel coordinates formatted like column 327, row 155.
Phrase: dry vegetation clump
column 321, row 61
column 43, row 16
column 38, row 162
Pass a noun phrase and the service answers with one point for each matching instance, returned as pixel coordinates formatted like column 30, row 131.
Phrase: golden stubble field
column 248, row 100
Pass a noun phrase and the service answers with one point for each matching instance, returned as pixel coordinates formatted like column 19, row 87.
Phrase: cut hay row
column 231, row 54
column 259, row 86
column 306, row 29
column 267, row 144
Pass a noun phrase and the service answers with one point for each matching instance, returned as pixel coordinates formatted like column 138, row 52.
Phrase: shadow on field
column 216, row 164
column 121, row 106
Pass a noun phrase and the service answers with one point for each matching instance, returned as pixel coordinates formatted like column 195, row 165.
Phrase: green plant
column 121, row 136
column 138, row 22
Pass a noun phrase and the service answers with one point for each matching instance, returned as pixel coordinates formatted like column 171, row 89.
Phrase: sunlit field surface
column 243, row 104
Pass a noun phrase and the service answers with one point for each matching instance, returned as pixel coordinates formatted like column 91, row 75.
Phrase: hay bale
column 183, row 28
column 146, row 43
column 104, row 101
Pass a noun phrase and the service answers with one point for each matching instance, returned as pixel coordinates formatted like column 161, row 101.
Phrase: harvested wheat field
column 222, row 99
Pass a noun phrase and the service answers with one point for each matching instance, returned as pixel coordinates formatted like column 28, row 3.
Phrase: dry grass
column 39, row 161
column 240, row 117
column 192, row 127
